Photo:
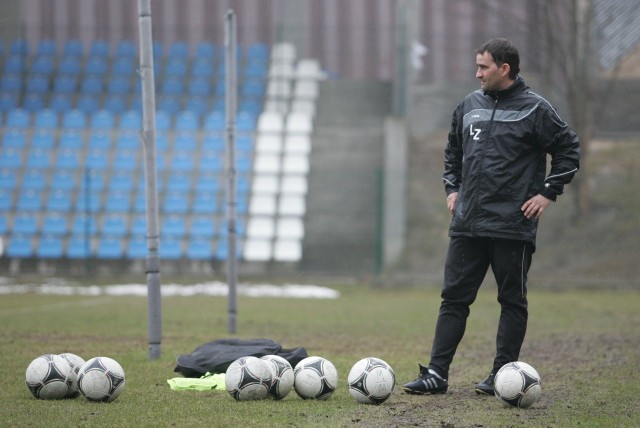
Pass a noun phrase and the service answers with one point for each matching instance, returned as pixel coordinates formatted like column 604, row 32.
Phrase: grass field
column 584, row 344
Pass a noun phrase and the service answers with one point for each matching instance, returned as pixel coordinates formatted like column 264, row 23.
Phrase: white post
column 230, row 46
column 148, row 138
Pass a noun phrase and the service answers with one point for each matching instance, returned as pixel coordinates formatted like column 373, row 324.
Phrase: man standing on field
column 497, row 190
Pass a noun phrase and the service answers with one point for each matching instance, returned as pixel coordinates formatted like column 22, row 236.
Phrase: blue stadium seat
column 122, row 181
column 10, row 158
column 115, row 103
column 126, row 48
column 14, row 138
column 211, row 161
column 256, row 69
column 96, row 66
column 181, row 161
column 197, row 104
column 88, row 103
column 187, row 121
column 6, row 200
column 50, row 247
column 38, row 158
column 215, row 121
column 251, row 106
column 172, row 86
column 20, row 246
column 46, row 47
column 119, row 85
column 138, row 225
column 62, row 179
column 185, row 141
column 208, row 182
column 18, row 118
column 59, row 201
column 74, row 119
column 91, row 85
column 34, row 179
column 99, row 48
column 123, row 66
column 244, row 145
column 67, row 158
column 14, row 64
column 140, row 202
column 253, row 88
column 83, row 225
column 175, row 67
column 60, row 103
column 170, row 249
column 178, row 49
column 11, row 83
column 8, row 101
column 173, row 226
column 114, row 225
column 34, row 102
column 202, row 227
column 245, row 122
column 8, row 179
column 71, row 139
column 128, row 141
column 65, row 84
column 199, row 86
column 70, row 65
column 205, row 203
column 92, row 179
column 46, row 119
column 175, row 203
column 213, row 141
column 171, row 104
column 100, row 139
column 199, row 249
column 19, row 47
column 137, row 247
column 54, row 224
column 205, row 50
column 102, row 119
column 179, row 183
column 79, row 247
column 25, row 224
column 43, row 138
column 117, row 202
column 125, row 159
column 73, row 47
column 131, row 120
column 202, row 68
column 43, row 65
column 97, row 159
column 164, row 120
column 258, row 51
column 3, row 225
column 91, row 202
column 109, row 247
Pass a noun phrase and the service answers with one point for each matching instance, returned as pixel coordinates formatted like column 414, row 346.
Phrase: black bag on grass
column 217, row 356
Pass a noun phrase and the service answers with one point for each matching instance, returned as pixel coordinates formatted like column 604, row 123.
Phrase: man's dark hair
column 503, row 52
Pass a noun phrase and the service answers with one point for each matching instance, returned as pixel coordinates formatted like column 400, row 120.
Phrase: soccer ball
column 49, row 377
column 248, row 378
column 75, row 362
column 315, row 378
column 371, row 381
column 518, row 384
column 281, row 376
column 101, row 379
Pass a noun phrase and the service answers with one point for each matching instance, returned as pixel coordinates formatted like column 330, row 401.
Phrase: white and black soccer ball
column 248, row 378
column 518, row 384
column 49, row 377
column 281, row 376
column 371, row 381
column 101, row 379
column 75, row 362
column 315, row 378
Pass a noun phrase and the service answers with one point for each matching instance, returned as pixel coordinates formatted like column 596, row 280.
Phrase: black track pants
column 468, row 261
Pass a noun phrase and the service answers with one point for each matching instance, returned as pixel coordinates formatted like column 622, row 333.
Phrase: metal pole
column 230, row 46
column 148, row 138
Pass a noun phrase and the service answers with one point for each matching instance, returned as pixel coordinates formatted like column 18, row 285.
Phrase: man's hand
column 535, row 206
column 451, row 202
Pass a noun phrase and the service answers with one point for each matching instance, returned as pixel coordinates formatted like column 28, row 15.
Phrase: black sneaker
column 487, row 386
column 426, row 383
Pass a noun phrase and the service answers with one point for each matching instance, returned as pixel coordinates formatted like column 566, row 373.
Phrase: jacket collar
column 517, row 86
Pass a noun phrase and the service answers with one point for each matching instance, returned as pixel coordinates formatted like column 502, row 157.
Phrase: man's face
column 492, row 77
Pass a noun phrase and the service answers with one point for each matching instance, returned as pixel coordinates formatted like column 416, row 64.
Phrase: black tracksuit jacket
column 496, row 158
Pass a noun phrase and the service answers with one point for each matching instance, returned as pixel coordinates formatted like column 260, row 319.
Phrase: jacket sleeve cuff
column 549, row 194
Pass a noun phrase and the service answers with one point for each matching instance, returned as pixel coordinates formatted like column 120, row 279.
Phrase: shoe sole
column 413, row 392
column 482, row 392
